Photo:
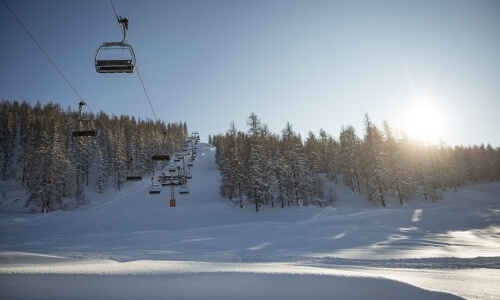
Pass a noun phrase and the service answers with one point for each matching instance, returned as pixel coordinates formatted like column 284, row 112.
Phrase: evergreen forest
column 39, row 148
column 283, row 169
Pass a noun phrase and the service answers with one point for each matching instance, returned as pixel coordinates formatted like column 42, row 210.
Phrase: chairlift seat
column 114, row 66
column 134, row 178
column 81, row 133
column 161, row 157
column 155, row 189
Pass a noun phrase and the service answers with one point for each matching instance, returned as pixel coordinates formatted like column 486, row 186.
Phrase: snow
column 129, row 244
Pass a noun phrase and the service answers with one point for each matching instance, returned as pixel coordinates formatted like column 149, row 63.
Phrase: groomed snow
column 131, row 245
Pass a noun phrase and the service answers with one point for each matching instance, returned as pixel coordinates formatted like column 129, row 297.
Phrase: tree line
column 38, row 148
column 263, row 168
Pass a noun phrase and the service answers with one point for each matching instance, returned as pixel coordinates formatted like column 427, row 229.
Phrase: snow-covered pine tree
column 350, row 158
column 120, row 161
column 269, row 182
column 51, row 175
column 255, row 161
column 227, row 160
column 312, row 152
column 295, row 167
column 400, row 177
column 8, row 131
column 374, row 163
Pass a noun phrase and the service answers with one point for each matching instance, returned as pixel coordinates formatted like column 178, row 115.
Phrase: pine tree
column 120, row 160
column 350, row 158
column 375, row 167
column 51, row 175
column 255, row 162
column 8, row 137
column 294, row 179
column 400, row 179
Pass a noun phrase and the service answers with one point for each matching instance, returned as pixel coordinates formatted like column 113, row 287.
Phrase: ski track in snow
column 121, row 238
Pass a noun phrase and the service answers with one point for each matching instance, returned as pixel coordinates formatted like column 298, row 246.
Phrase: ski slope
column 130, row 244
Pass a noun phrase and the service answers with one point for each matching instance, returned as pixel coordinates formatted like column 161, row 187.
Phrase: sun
column 424, row 121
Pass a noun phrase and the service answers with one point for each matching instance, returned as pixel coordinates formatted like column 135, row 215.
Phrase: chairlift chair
column 83, row 127
column 134, row 178
column 188, row 175
column 190, row 163
column 183, row 190
column 123, row 58
column 155, row 189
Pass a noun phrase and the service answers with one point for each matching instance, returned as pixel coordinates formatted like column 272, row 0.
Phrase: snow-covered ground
column 132, row 245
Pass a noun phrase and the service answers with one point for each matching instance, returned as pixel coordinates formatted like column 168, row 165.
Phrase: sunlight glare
column 424, row 120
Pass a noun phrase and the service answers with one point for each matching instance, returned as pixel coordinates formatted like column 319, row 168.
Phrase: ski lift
column 123, row 62
column 83, row 127
column 190, row 163
column 172, row 169
column 131, row 177
column 183, row 190
column 188, row 175
column 155, row 189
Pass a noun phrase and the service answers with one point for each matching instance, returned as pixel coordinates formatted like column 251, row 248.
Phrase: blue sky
column 432, row 65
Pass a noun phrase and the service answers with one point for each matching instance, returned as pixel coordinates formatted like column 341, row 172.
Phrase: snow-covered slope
column 130, row 244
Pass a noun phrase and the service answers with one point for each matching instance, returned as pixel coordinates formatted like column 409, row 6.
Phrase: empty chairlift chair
column 131, row 176
column 155, row 189
column 83, row 127
column 116, row 57
column 183, row 190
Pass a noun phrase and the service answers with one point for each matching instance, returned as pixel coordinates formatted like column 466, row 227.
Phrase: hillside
column 131, row 244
